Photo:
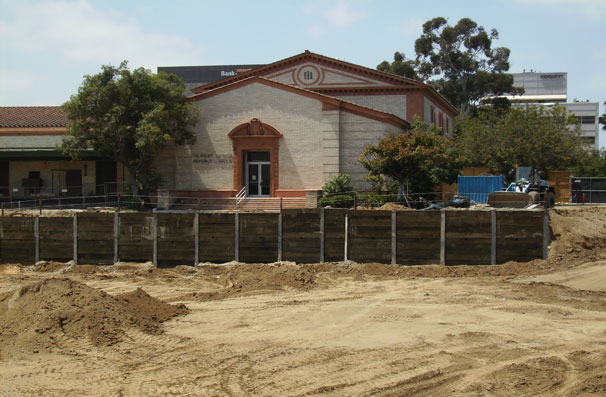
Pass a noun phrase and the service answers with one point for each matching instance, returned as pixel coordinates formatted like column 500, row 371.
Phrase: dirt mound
column 150, row 307
column 579, row 232
column 246, row 278
column 394, row 206
column 35, row 316
column 48, row 266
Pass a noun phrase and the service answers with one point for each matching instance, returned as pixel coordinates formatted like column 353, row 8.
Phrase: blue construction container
column 477, row 188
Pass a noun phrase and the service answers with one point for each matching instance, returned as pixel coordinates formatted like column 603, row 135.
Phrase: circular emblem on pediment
column 308, row 75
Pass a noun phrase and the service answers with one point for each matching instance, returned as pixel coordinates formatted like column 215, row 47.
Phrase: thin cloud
column 13, row 83
column 592, row 9
column 412, row 27
column 80, row 33
column 342, row 15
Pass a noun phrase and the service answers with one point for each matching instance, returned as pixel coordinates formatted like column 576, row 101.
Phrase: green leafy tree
column 128, row 116
column 536, row 136
column 592, row 165
column 461, row 63
column 417, row 159
column 400, row 66
column 338, row 192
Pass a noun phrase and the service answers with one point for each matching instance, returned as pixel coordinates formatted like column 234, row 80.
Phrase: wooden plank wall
column 95, row 238
column 418, row 237
column 17, row 243
column 468, row 238
column 136, row 237
column 176, row 242
column 258, row 237
column 519, row 237
column 334, row 235
column 301, row 237
column 405, row 237
column 56, row 238
column 217, row 237
column 369, row 236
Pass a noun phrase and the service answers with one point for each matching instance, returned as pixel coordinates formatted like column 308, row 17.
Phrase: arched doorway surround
column 255, row 137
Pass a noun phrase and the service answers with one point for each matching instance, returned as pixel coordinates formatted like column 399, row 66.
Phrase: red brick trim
column 415, row 105
column 33, row 131
column 204, row 193
column 256, row 136
column 302, row 81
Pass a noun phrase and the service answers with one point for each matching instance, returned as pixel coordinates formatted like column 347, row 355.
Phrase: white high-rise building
column 549, row 89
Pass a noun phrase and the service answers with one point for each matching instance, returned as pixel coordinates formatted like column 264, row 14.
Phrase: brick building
column 283, row 129
column 280, row 130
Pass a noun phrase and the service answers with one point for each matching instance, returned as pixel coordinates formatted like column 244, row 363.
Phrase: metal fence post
column 155, row 247
column 196, row 237
column 280, row 233
column 322, row 235
column 116, row 235
column 36, row 239
column 237, row 237
column 75, row 238
column 546, row 236
column 493, row 237
column 443, row 238
column 394, row 242
column 346, row 235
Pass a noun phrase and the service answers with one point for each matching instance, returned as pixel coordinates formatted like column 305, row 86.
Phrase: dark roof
column 32, row 116
column 205, row 74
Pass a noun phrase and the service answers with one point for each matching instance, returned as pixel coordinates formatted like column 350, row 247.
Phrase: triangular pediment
column 315, row 75
column 314, row 71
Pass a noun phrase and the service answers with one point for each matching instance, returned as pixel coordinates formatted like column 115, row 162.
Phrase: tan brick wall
column 207, row 165
column 394, row 104
column 356, row 133
column 316, row 143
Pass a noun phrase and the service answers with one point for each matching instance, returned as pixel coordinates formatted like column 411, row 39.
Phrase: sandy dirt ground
column 334, row 329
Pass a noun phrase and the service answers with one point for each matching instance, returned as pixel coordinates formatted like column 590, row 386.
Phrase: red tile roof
column 32, row 116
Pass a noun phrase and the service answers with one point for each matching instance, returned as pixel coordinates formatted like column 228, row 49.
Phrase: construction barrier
column 450, row 237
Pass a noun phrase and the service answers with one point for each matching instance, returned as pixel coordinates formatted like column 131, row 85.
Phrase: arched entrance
column 256, row 153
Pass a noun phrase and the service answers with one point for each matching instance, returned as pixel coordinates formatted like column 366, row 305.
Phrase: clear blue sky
column 46, row 47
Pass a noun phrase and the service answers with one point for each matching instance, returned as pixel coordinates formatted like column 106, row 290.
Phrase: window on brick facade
column 308, row 75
